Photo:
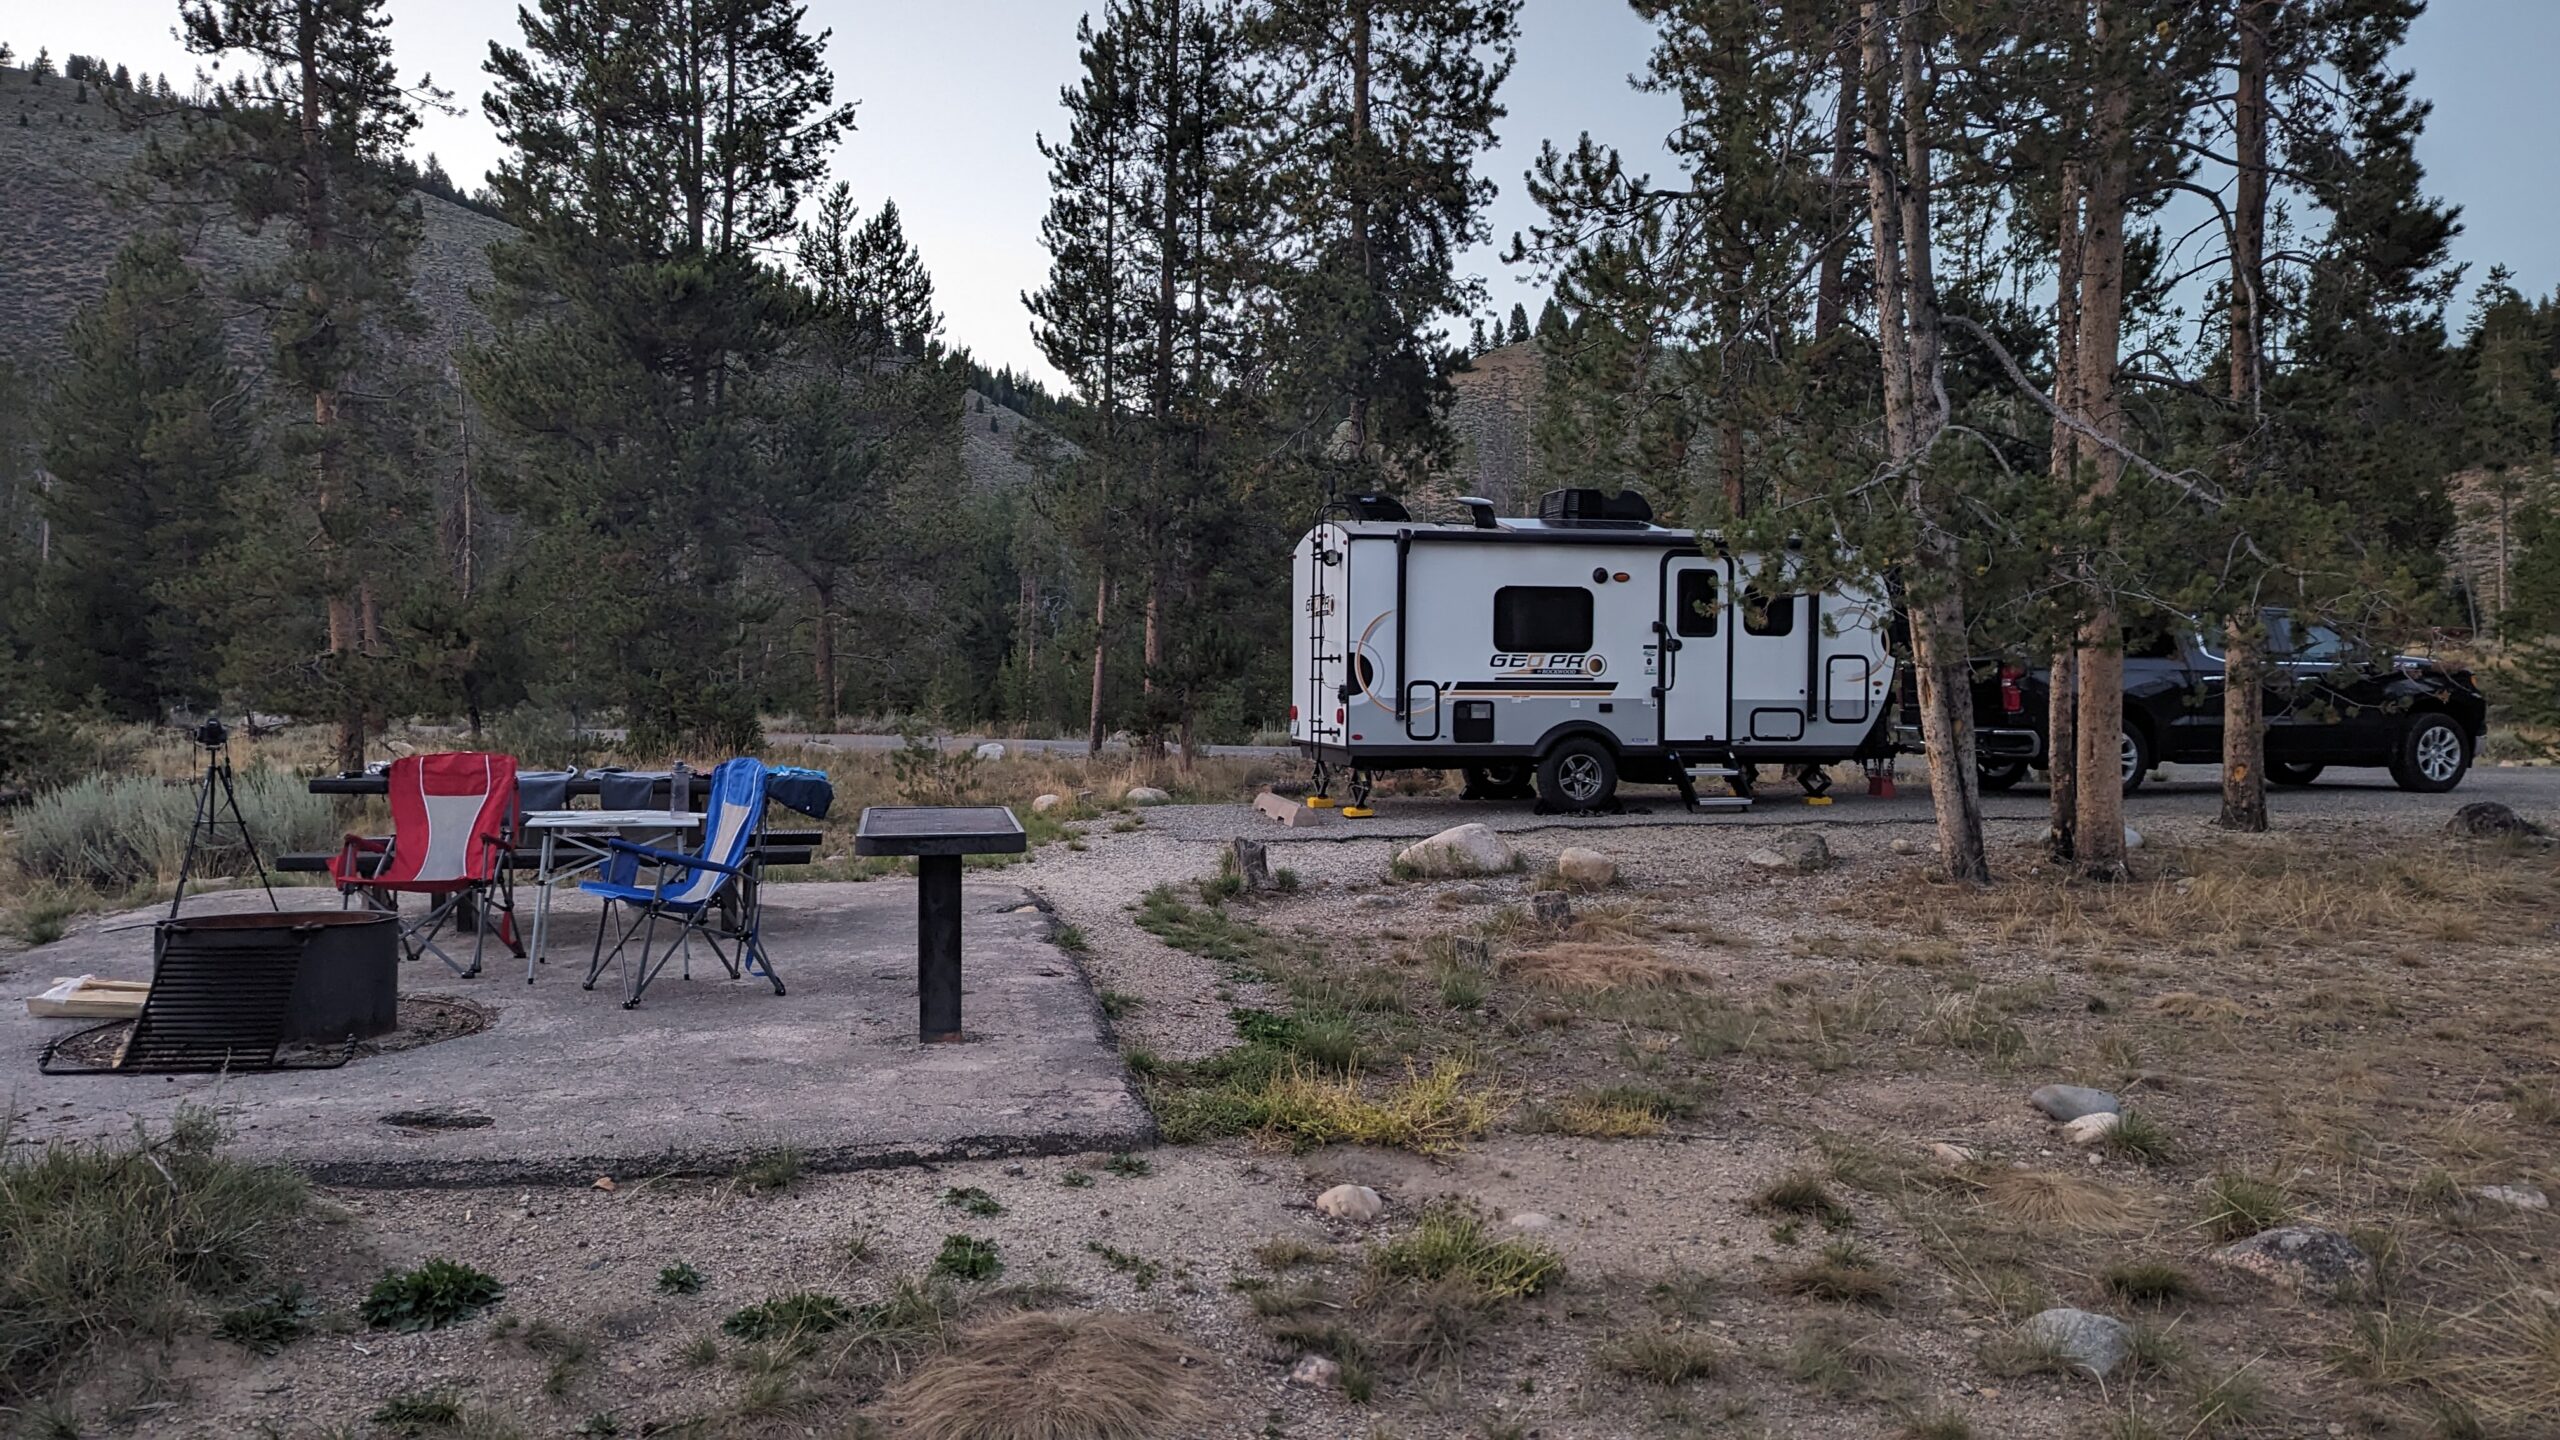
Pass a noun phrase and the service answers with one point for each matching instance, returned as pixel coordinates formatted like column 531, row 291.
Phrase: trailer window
column 1542, row 617
column 1767, row 614
column 1694, row 604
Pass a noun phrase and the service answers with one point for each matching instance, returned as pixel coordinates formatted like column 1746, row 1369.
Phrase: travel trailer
column 1571, row 651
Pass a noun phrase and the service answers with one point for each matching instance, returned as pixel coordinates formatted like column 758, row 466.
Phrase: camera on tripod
column 212, row 734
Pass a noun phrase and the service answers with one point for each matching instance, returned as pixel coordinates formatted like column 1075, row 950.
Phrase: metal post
column 938, row 948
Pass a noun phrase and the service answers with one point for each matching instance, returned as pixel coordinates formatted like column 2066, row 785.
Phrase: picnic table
column 938, row 836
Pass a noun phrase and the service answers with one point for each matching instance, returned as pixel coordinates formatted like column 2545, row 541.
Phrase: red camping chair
column 450, row 818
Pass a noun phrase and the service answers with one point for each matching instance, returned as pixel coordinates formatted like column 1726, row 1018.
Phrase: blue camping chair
column 690, row 889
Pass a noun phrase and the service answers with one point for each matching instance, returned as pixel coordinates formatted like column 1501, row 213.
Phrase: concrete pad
column 704, row 1073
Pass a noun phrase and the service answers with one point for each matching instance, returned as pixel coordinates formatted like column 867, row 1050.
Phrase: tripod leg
column 247, row 841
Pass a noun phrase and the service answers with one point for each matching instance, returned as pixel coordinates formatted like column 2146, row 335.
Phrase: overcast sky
column 952, row 94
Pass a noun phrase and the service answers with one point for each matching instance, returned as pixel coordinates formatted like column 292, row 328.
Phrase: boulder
column 2304, row 1258
column 1316, row 1372
column 1147, row 795
column 1043, row 804
column 1804, row 853
column 989, row 751
column 2090, row 1343
column 2067, row 1103
column 1585, row 869
column 2489, row 820
column 1951, row 1155
column 1356, row 1203
column 2091, row 1128
column 2521, row 1197
column 1471, row 849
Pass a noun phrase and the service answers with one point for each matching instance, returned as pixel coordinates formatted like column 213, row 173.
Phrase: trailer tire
column 1580, row 773
column 1502, row 780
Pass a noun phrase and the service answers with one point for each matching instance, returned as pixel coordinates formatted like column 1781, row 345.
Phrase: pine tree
column 42, row 69
column 1518, row 332
column 313, row 155
column 7, row 55
column 147, row 434
column 1378, row 110
column 657, row 149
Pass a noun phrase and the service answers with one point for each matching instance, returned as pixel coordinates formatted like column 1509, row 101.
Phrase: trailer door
column 1691, row 650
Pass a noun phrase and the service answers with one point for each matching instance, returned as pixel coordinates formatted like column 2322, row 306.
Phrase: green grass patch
column 679, row 1279
column 973, row 1200
column 966, row 1257
column 104, row 1245
column 1454, row 1241
column 786, row 1317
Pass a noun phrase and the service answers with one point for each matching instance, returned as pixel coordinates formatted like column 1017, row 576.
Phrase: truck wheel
column 2282, row 773
column 1510, row 780
column 2432, row 755
column 1579, row 774
column 1996, row 775
column 2134, row 757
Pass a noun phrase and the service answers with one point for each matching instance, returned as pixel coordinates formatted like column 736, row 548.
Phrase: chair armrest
column 638, row 851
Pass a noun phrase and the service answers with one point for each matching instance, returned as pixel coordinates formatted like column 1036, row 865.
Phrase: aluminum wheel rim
column 2439, row 754
column 1579, row 777
column 2128, row 755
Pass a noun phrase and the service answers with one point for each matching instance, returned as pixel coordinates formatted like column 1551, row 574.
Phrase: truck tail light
column 2013, row 701
column 1293, row 712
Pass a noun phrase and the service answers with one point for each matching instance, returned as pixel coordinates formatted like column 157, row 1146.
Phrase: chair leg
column 596, row 960
column 644, row 973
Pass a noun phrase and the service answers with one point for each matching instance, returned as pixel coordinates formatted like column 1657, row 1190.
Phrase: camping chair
column 688, row 889
column 217, row 1003
column 451, row 817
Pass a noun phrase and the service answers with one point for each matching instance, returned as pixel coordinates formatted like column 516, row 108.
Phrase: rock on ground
column 2091, row 1128
column 1794, row 852
column 1470, row 849
column 989, row 751
column 1356, row 1203
column 1586, row 869
column 1043, row 804
column 1316, row 1372
column 2132, row 838
column 2093, row 1344
column 1147, row 795
column 2304, row 1258
column 1946, row 1154
column 1552, row 908
column 2522, row 1197
column 2069, row 1102
column 2489, row 820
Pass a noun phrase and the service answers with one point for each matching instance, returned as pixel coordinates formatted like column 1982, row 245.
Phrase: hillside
column 1495, row 408
column 62, row 162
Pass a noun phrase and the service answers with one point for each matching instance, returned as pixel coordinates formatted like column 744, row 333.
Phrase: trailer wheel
column 1507, row 780
column 1579, row 774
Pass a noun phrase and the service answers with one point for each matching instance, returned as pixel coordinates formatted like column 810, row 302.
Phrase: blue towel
column 804, row 790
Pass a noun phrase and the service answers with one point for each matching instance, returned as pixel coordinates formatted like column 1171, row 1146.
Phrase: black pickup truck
column 2330, row 703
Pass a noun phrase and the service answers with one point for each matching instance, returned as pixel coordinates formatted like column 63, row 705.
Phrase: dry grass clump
column 2201, row 1009
column 1600, row 1117
column 2054, row 1198
column 2239, row 1206
column 1429, row 1113
column 2504, row 1365
column 1840, row 1358
column 1594, row 965
column 1452, row 1242
column 1057, row 1375
column 1801, row 1193
column 1664, row 1357
column 1845, row 1272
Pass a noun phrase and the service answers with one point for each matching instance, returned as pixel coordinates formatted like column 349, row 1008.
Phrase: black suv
column 2330, row 702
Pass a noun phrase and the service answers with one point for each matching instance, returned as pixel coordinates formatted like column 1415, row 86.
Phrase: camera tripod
column 214, row 795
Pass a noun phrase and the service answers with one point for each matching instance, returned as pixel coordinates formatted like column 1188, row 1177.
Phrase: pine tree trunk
column 2244, row 729
column 1829, row 293
column 2098, row 842
column 1358, row 184
column 823, row 657
column 2062, row 708
column 1907, row 334
column 1101, row 644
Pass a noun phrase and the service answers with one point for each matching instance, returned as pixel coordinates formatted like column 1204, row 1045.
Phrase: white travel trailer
column 1571, row 651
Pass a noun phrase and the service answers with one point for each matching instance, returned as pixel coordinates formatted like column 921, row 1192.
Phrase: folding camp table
column 937, row 836
column 573, row 844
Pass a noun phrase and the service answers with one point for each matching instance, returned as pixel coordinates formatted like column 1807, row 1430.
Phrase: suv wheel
column 1996, row 775
column 2284, row 774
column 2432, row 755
column 2133, row 757
column 1579, row 774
